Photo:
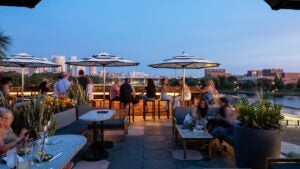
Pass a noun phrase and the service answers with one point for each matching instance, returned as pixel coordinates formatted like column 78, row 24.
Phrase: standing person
column 44, row 86
column 185, row 94
column 208, row 92
column 63, row 85
column 127, row 93
column 90, row 89
column 163, row 91
column 114, row 92
column 83, row 80
column 55, row 85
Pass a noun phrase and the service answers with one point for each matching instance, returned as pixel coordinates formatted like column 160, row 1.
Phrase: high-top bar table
column 96, row 116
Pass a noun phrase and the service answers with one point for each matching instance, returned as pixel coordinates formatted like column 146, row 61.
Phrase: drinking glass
column 28, row 145
column 11, row 158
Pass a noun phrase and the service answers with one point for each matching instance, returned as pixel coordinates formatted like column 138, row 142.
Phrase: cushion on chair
column 286, row 166
column 180, row 112
column 76, row 127
column 114, row 123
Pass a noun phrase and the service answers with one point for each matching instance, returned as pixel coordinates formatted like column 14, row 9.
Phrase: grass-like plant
column 264, row 115
column 76, row 93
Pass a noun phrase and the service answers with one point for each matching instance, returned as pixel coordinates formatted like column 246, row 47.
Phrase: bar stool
column 95, row 101
column 112, row 103
column 186, row 103
column 145, row 108
column 159, row 109
column 130, row 113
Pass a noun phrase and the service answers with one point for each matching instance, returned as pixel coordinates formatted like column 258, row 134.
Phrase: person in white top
column 185, row 94
column 164, row 95
column 90, row 89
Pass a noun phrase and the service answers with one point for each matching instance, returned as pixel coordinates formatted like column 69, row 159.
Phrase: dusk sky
column 239, row 34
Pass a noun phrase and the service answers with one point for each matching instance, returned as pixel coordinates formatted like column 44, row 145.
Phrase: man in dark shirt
column 83, row 80
column 127, row 93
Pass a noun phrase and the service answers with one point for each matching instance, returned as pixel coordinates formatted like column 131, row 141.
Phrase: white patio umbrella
column 24, row 60
column 185, row 61
column 104, row 60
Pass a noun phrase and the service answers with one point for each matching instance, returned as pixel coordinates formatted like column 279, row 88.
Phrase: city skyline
column 241, row 35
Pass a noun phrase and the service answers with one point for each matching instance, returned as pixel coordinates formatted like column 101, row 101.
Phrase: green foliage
column 293, row 155
column 33, row 114
column 265, row 115
column 4, row 43
column 76, row 92
column 298, row 84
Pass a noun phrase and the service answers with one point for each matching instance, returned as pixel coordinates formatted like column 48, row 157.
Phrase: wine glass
column 28, row 146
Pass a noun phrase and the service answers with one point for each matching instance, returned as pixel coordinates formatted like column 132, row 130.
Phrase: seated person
column 114, row 92
column 223, row 121
column 6, row 83
column 197, row 115
column 127, row 93
column 208, row 92
column 11, row 139
column 185, row 93
column 150, row 90
column 201, row 109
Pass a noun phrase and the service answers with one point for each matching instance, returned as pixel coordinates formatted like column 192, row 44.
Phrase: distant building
column 93, row 70
column 135, row 74
column 211, row 73
column 60, row 60
column 290, row 77
column 273, row 72
column 256, row 73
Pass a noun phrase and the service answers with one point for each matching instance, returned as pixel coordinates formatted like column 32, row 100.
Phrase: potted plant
column 77, row 93
column 259, row 133
column 34, row 116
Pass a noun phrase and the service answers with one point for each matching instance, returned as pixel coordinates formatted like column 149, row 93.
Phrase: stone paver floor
column 148, row 145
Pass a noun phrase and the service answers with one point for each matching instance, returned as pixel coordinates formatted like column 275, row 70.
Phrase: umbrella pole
column 104, row 78
column 183, row 81
column 22, row 82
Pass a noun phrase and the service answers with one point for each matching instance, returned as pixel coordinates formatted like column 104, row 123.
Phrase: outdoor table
column 189, row 135
column 69, row 145
column 95, row 116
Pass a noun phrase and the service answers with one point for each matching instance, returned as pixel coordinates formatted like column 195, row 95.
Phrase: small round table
column 96, row 116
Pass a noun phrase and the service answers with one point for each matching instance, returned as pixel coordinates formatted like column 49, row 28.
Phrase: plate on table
column 46, row 157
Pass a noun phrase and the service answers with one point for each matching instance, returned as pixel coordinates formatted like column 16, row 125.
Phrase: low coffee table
column 189, row 135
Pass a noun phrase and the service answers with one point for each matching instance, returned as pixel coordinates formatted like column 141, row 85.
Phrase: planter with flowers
column 259, row 134
column 63, row 109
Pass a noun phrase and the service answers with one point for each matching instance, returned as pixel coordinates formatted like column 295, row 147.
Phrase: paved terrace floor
column 148, row 145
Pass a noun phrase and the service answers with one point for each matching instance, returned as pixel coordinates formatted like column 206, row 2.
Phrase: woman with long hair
column 208, row 92
column 185, row 93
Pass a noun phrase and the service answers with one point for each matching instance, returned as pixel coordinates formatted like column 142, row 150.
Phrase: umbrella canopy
column 23, row 60
column 284, row 4
column 20, row 3
column 185, row 61
column 103, row 59
column 26, row 60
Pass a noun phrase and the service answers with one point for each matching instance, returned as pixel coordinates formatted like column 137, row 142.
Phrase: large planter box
column 65, row 118
column 253, row 146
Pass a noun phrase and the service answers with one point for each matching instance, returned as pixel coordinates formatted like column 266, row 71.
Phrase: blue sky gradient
column 239, row 34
